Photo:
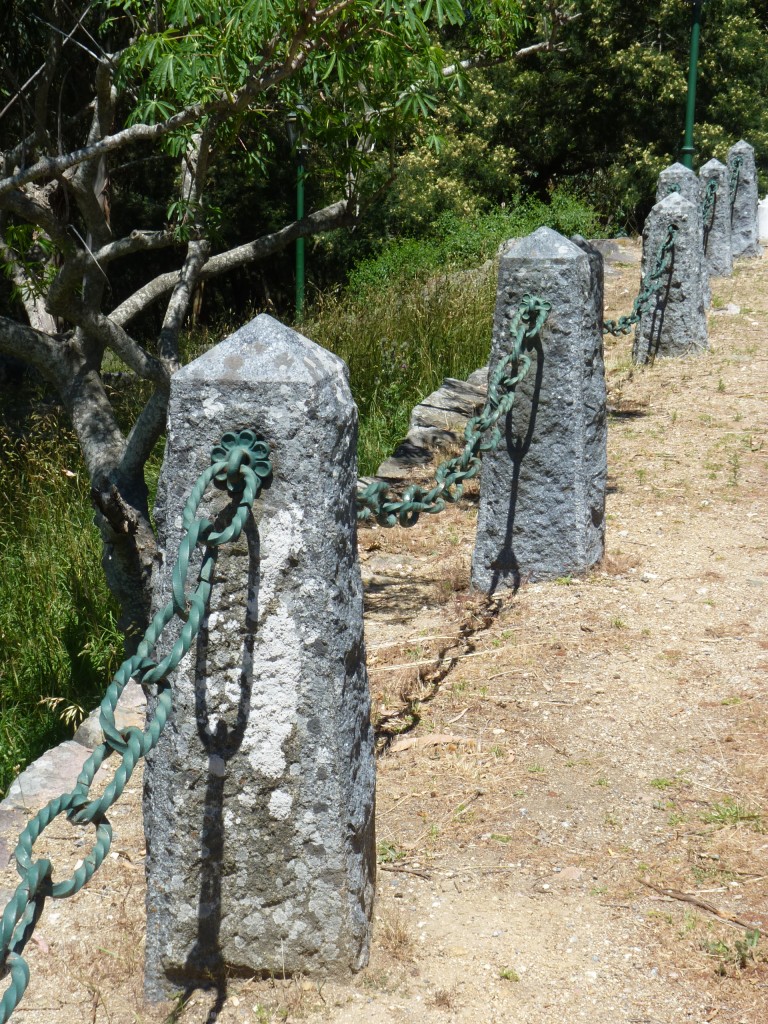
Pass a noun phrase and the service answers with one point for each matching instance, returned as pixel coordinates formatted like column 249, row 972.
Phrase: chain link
column 733, row 180
column 651, row 283
column 708, row 205
column 374, row 501
column 241, row 464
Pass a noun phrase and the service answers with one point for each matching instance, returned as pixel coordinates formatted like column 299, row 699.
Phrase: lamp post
column 687, row 151
column 301, row 149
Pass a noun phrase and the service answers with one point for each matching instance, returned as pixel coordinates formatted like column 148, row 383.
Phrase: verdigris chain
column 649, row 286
column 733, row 180
column 708, row 203
column 374, row 502
column 241, row 463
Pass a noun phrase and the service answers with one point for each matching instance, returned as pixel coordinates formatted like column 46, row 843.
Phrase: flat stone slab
column 52, row 774
column 615, row 250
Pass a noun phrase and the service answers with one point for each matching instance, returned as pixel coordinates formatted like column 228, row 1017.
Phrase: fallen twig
column 686, row 897
column 406, row 871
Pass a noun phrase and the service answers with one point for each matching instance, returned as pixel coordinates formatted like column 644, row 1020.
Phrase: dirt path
column 603, row 740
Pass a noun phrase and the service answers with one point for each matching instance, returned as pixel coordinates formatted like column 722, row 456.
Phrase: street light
column 690, row 110
column 301, row 149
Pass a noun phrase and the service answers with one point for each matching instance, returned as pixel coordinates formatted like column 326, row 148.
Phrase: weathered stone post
column 681, row 179
column 259, row 797
column 542, row 495
column 676, row 323
column 717, row 220
column 743, row 183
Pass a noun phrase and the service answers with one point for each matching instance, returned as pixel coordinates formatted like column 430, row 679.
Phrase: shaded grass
column 58, row 637
column 399, row 342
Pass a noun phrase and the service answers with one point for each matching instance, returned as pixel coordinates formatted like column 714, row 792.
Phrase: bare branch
column 48, row 167
column 101, row 327
column 336, row 215
column 146, row 431
column 67, row 37
column 194, row 171
column 46, row 352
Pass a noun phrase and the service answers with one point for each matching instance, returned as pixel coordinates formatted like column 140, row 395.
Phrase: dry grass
column 610, row 723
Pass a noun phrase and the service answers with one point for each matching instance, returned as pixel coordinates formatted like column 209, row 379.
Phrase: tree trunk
column 130, row 552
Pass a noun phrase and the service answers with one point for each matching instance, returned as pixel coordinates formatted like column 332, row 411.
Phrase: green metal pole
column 300, row 241
column 690, row 110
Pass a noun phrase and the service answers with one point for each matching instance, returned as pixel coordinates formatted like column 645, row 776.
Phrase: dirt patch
column 579, row 831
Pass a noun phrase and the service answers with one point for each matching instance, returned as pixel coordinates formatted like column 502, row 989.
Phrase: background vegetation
column 572, row 137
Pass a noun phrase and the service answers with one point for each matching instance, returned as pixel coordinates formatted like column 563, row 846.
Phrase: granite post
column 259, row 797
column 676, row 322
column 717, row 223
column 542, row 494
column 677, row 178
column 742, row 172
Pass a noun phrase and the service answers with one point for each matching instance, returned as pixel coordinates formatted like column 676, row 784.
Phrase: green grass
column 57, row 620
column 399, row 342
column 731, row 812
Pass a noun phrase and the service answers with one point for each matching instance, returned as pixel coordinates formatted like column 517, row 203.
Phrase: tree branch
column 47, row 353
column 194, row 172
column 149, row 426
column 334, row 216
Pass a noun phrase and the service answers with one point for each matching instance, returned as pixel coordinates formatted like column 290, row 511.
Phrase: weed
column 395, row 935
column 735, row 463
column 730, row 812
column 738, row 955
column 388, row 852
column 729, row 701
column 602, row 781
column 721, row 385
column 618, row 623
column 564, row 581
column 663, row 783
column 443, row 998
column 690, row 923
column 536, row 769
column 509, row 974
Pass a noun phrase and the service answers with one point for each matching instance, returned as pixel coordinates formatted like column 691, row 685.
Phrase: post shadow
column 659, row 311
column 205, row 966
column 505, row 564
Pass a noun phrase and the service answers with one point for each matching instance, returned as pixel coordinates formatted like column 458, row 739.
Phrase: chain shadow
column 205, row 967
column 505, row 564
column 659, row 310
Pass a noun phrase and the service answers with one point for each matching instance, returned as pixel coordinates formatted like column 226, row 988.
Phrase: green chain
column 650, row 285
column 733, row 181
column 708, row 208
column 374, row 502
column 708, row 203
column 240, row 462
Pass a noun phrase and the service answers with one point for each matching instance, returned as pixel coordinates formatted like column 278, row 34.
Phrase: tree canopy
column 120, row 120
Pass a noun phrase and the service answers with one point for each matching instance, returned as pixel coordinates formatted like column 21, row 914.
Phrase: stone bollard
column 679, row 178
column 676, row 323
column 743, row 188
column 259, row 797
column 717, row 220
column 542, row 494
